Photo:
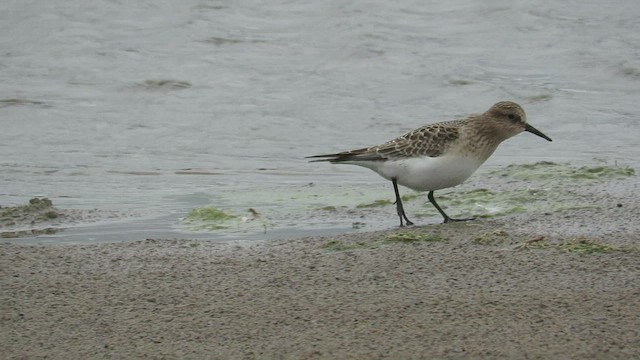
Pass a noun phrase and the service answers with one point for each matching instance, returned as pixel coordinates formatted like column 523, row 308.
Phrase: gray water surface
column 153, row 108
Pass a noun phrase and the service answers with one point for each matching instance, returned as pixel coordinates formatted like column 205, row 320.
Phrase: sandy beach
column 563, row 285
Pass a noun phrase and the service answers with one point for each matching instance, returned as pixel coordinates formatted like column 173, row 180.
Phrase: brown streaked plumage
column 439, row 155
column 430, row 140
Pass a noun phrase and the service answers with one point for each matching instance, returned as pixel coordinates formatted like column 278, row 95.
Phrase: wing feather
column 430, row 140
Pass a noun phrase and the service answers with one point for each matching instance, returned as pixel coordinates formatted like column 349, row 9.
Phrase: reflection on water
column 159, row 107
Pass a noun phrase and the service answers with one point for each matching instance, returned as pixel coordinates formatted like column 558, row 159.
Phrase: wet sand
column 563, row 285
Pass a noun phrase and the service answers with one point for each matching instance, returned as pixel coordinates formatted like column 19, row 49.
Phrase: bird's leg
column 399, row 207
column 444, row 215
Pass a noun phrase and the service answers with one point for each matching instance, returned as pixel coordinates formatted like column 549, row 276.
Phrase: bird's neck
column 479, row 141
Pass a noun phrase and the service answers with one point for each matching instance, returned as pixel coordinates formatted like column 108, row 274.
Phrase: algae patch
column 376, row 203
column 483, row 203
column 580, row 245
column 491, row 238
column 329, row 208
column 209, row 218
column 414, row 237
column 337, row 245
column 586, row 246
column 546, row 170
column 36, row 216
column 407, row 197
column 386, row 202
column 27, row 233
column 408, row 237
column 543, row 188
column 209, row 214
column 38, row 210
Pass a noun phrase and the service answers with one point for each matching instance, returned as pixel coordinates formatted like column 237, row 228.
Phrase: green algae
column 603, row 172
column 209, row 214
column 414, row 237
column 401, row 237
column 212, row 219
column 547, row 187
column 582, row 245
column 26, row 233
column 375, row 203
column 337, row 245
column 538, row 188
column 483, row 203
column 547, row 170
column 35, row 204
column 329, row 208
column 467, row 197
column 385, row 202
column 37, row 215
column 586, row 246
column 38, row 210
column 209, row 218
column 490, row 238
column 408, row 197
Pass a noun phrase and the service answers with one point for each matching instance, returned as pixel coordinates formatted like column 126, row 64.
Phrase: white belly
column 426, row 173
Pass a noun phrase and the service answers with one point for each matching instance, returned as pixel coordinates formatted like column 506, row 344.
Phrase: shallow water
column 150, row 109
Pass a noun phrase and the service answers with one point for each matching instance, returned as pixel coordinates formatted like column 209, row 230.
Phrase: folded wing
column 431, row 140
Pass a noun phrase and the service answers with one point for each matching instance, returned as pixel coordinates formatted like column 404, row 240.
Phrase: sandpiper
column 440, row 155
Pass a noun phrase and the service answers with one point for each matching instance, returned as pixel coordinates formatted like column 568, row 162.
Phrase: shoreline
column 464, row 290
column 563, row 283
column 540, row 188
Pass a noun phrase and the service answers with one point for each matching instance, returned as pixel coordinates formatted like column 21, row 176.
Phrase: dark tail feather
column 328, row 157
column 358, row 154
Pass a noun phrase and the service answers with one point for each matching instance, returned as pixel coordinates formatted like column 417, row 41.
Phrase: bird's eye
column 513, row 117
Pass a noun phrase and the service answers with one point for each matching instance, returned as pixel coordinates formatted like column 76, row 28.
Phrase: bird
column 439, row 155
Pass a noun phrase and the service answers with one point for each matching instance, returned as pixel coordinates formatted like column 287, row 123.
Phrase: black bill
column 533, row 130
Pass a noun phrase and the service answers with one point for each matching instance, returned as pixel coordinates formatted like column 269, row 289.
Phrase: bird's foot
column 409, row 223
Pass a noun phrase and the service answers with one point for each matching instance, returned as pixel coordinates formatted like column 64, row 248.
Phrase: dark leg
column 399, row 207
column 444, row 215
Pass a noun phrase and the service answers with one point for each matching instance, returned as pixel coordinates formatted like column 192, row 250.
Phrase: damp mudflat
column 192, row 120
column 531, row 284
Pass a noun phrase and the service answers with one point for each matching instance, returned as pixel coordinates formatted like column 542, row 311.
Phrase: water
column 153, row 108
